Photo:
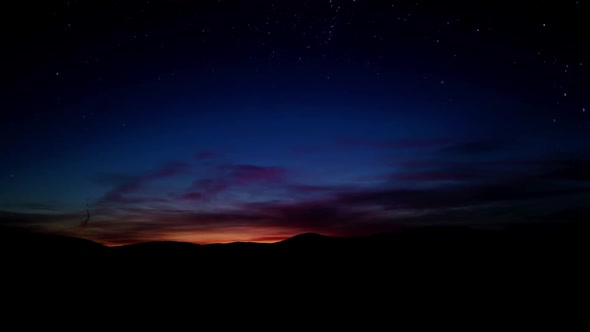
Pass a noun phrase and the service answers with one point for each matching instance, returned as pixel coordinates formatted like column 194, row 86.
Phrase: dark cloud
column 396, row 144
column 317, row 216
column 39, row 220
column 455, row 196
column 495, row 170
column 316, row 189
column 244, row 174
column 437, row 176
column 569, row 170
column 38, row 206
column 477, row 147
column 14, row 219
column 484, row 164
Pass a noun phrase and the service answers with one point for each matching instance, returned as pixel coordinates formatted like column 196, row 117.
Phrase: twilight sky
column 224, row 120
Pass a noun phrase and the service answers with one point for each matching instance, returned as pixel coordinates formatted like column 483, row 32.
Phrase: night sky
column 222, row 120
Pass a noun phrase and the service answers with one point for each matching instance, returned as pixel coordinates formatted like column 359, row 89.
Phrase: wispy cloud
column 244, row 174
column 396, row 143
column 477, row 147
column 131, row 189
column 226, row 177
column 437, row 176
column 412, row 192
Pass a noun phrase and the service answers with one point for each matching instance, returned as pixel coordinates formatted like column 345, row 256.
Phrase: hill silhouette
column 547, row 243
column 534, row 264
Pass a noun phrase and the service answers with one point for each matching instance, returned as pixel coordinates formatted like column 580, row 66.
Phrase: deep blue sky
column 219, row 121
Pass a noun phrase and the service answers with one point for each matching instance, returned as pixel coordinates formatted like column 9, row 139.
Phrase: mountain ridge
column 14, row 234
column 434, row 259
column 542, row 235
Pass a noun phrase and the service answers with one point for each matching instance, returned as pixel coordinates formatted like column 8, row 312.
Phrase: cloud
column 244, row 174
column 476, row 147
column 446, row 164
column 39, row 220
column 316, row 189
column 458, row 195
column 209, row 187
column 166, row 170
column 191, row 196
column 36, row 206
column 142, row 189
column 396, row 144
column 494, row 170
column 132, row 189
column 169, row 170
column 497, row 171
column 340, row 211
column 413, row 192
column 437, row 176
column 570, row 170
column 228, row 177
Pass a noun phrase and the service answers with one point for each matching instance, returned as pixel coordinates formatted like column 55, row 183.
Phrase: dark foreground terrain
column 540, row 265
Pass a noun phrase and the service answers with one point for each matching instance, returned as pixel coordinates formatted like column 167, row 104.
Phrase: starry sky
column 217, row 121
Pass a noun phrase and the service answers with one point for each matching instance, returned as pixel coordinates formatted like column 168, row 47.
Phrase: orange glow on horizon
column 217, row 237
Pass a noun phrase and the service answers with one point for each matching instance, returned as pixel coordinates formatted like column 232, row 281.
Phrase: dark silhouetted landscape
column 536, row 250
column 515, row 269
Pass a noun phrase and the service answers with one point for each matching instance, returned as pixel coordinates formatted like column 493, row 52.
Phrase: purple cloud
column 245, row 174
column 232, row 176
